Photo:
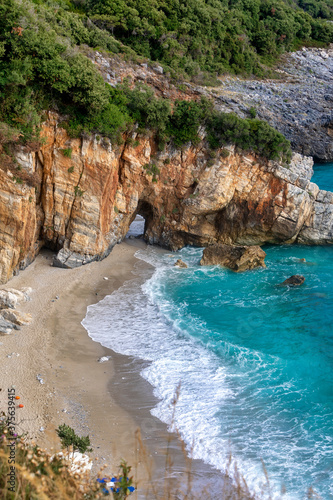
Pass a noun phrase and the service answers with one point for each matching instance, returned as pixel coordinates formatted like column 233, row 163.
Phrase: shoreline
column 110, row 400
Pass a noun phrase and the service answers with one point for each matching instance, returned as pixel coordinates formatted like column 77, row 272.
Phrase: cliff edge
column 79, row 197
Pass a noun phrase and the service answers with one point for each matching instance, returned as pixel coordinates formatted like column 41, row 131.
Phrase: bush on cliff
column 41, row 68
column 248, row 134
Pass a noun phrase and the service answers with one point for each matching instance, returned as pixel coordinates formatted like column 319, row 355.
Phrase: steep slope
column 89, row 191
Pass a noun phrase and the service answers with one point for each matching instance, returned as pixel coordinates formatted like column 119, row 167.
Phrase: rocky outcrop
column 180, row 263
column 16, row 317
column 88, row 191
column 299, row 105
column 295, row 280
column 10, row 318
column 237, row 258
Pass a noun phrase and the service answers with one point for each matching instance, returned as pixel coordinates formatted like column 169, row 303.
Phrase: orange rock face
column 90, row 190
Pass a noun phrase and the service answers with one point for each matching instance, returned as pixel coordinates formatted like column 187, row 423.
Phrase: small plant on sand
column 69, row 438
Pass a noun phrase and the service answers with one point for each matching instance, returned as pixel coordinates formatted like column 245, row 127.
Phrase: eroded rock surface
column 83, row 205
column 180, row 263
column 16, row 317
column 299, row 106
column 237, row 258
column 295, row 280
column 6, row 327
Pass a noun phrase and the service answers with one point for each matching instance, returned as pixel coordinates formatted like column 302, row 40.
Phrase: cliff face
column 299, row 105
column 88, row 191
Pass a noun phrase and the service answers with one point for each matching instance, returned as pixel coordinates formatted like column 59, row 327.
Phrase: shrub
column 67, row 152
column 8, row 133
column 78, row 191
column 249, row 135
column 153, row 170
column 69, row 438
column 185, row 121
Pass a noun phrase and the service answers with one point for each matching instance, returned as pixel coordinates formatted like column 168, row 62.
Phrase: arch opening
column 141, row 220
column 137, row 227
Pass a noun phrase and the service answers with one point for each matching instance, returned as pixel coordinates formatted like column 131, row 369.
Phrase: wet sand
column 109, row 401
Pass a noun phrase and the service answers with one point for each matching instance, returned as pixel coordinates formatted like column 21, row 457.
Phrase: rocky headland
column 80, row 196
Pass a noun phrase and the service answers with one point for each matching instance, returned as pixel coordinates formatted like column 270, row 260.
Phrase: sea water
column 323, row 176
column 254, row 361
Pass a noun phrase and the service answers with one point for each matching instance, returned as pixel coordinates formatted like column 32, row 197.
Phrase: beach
column 59, row 379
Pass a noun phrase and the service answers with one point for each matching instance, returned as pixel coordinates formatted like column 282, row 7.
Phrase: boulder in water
column 295, row 280
column 180, row 263
column 237, row 258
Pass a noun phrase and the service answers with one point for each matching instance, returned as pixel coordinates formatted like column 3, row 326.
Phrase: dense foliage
column 212, row 35
column 41, row 67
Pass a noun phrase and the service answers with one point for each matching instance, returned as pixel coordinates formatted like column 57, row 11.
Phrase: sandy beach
column 109, row 400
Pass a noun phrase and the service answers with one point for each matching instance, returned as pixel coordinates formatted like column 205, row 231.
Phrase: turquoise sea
column 255, row 360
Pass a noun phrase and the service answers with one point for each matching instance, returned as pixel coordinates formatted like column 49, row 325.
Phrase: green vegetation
column 78, row 191
column 248, row 134
column 153, row 170
column 69, row 439
column 43, row 66
column 67, row 152
column 225, row 153
column 193, row 36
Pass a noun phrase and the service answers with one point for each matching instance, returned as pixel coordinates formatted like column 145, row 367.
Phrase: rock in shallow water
column 295, row 280
column 237, row 258
column 180, row 263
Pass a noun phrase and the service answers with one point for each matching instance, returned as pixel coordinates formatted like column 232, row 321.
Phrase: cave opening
column 137, row 227
column 141, row 220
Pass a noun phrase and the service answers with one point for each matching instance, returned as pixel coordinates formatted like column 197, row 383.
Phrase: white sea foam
column 137, row 320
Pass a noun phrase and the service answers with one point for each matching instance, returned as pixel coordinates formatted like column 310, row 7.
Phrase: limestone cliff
column 87, row 191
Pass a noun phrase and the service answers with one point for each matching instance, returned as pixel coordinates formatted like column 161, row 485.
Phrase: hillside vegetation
column 43, row 66
column 213, row 35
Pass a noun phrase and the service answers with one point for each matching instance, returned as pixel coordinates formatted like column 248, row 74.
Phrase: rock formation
column 10, row 318
column 237, row 258
column 180, row 263
column 299, row 104
column 295, row 280
column 79, row 196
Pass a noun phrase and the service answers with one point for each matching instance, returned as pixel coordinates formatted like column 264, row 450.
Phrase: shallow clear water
column 254, row 359
column 323, row 176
